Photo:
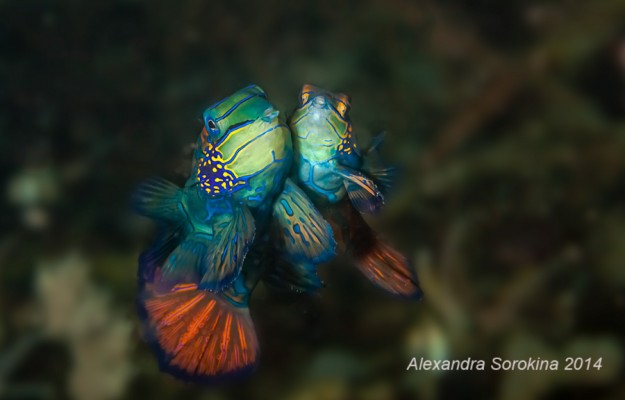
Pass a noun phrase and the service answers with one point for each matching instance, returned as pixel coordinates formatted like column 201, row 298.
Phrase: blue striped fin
column 300, row 230
column 213, row 254
column 231, row 243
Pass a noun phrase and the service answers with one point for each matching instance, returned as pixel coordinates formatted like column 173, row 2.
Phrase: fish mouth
column 319, row 101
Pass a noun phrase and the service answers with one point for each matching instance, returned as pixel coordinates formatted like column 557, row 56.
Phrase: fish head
column 321, row 127
column 244, row 140
column 313, row 98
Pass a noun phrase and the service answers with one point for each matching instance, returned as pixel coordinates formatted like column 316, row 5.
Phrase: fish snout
column 270, row 114
column 319, row 101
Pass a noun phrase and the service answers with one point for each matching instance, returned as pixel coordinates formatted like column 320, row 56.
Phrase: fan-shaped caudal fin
column 379, row 262
column 389, row 270
column 200, row 335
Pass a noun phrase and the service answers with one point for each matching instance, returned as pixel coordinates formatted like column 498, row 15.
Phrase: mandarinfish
column 338, row 177
column 195, row 280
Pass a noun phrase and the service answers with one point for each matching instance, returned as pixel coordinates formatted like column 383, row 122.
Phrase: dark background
column 508, row 120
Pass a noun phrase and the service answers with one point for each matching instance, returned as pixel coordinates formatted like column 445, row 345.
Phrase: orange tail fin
column 200, row 335
column 388, row 269
column 384, row 266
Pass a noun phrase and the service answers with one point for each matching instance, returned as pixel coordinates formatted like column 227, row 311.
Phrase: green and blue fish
column 195, row 280
column 346, row 182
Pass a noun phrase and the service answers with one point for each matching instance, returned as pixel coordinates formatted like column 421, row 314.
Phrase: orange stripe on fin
column 389, row 270
column 199, row 335
column 384, row 266
column 183, row 287
column 183, row 309
column 196, row 325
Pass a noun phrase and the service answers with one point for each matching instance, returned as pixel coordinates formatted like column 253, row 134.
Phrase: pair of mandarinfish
column 248, row 213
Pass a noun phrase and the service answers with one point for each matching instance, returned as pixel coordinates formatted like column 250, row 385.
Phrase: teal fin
column 301, row 232
column 293, row 277
column 185, row 263
column 232, row 241
column 381, row 174
column 167, row 239
column 213, row 254
column 159, row 199
column 362, row 191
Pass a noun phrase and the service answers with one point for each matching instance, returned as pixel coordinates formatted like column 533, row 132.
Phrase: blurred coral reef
column 99, row 340
column 505, row 118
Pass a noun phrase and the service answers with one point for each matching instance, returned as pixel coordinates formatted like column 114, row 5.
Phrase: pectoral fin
column 375, row 143
column 159, row 199
column 362, row 191
column 373, row 165
column 383, row 176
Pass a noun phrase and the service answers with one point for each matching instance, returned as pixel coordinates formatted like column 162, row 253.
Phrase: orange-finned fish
column 328, row 164
column 196, row 279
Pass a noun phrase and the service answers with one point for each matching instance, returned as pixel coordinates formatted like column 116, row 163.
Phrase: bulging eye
column 304, row 98
column 307, row 90
column 211, row 125
column 343, row 103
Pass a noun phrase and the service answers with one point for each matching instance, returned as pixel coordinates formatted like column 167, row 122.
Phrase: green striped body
column 244, row 151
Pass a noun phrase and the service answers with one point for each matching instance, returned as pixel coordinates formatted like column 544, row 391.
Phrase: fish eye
column 307, row 90
column 304, row 98
column 211, row 125
column 342, row 104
